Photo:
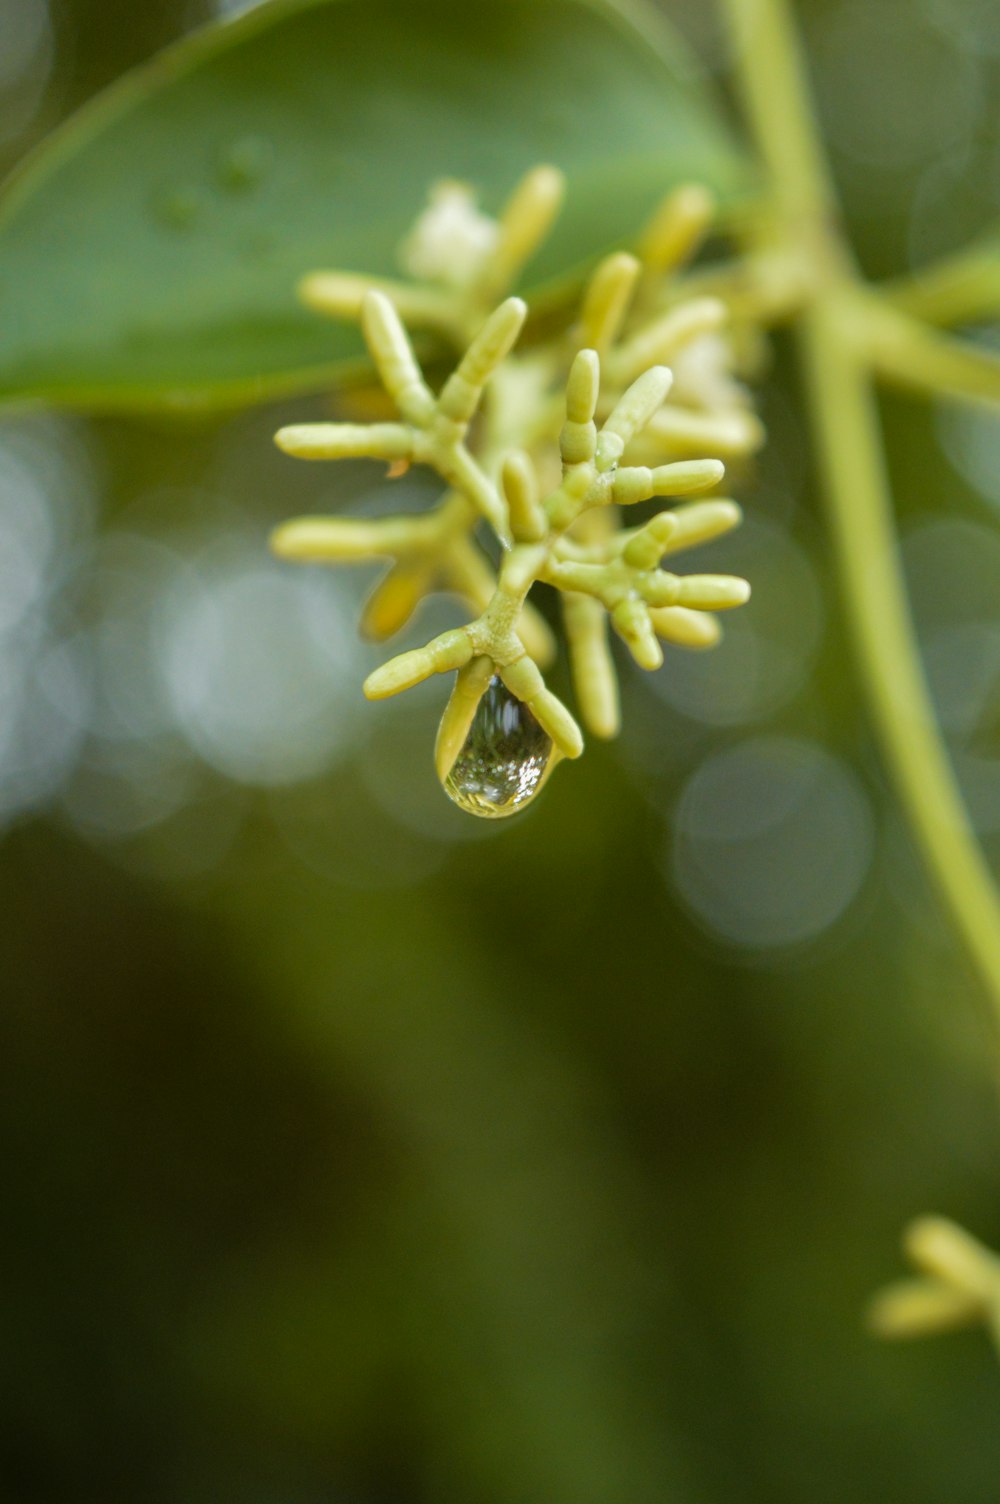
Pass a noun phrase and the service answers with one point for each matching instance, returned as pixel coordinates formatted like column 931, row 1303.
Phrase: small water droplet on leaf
column 504, row 760
column 244, row 163
column 179, row 208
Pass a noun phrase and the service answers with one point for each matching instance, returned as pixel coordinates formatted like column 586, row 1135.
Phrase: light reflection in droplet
column 771, row 841
column 504, row 760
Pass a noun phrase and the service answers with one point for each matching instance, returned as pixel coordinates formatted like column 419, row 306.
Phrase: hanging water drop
column 504, row 760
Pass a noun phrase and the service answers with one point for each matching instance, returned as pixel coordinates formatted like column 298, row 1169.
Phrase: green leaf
column 149, row 251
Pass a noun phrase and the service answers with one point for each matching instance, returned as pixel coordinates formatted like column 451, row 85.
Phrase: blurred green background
column 355, row 1150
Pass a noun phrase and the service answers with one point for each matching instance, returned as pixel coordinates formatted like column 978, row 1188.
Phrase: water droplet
column 505, row 759
column 244, row 163
column 180, row 208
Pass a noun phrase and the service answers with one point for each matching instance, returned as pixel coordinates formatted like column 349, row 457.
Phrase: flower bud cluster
column 631, row 399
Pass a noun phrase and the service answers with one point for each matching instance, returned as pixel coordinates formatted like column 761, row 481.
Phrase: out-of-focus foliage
column 355, row 1151
column 201, row 189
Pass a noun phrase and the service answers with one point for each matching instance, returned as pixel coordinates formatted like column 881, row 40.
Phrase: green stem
column 776, row 102
column 847, row 432
column 906, row 352
column 850, row 448
column 965, row 289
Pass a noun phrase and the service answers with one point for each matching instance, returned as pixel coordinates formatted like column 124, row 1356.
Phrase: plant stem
column 770, row 74
column 850, row 450
column 906, row 352
column 776, row 101
column 964, row 289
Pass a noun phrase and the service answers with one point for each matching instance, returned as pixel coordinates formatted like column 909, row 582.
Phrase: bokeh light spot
column 771, row 841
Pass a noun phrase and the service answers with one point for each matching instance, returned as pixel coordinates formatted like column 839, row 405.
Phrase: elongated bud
column 712, row 592
column 631, row 621
column 524, row 224
column 922, row 1308
column 494, row 341
column 552, row 715
column 676, row 229
column 527, row 519
column 662, row 341
column 339, row 294
column 631, row 413
column 450, row 650
column 606, row 300
column 470, row 685
column 394, row 600
column 329, row 539
column 524, row 680
column 684, row 627
column 687, row 477
column 393, row 355
column 578, row 439
column 941, row 1247
column 635, row 483
column 680, row 430
column 700, row 521
column 646, row 548
column 338, row 441
column 593, row 668
column 583, row 387
column 492, row 344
